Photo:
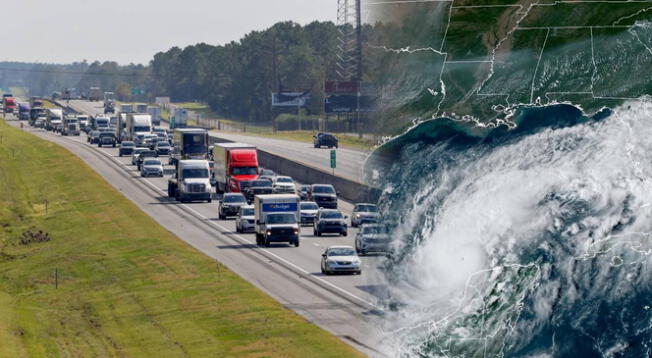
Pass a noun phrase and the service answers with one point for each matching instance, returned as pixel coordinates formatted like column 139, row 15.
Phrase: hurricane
column 529, row 238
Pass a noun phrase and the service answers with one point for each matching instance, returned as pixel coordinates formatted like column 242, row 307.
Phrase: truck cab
column 234, row 163
column 9, row 104
column 191, row 181
column 70, row 126
column 277, row 219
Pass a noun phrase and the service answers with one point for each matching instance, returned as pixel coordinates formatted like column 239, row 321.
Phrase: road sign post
column 333, row 160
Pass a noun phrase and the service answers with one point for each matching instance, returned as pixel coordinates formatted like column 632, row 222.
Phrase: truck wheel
column 345, row 233
column 259, row 240
column 296, row 243
column 267, row 243
column 99, row 145
column 113, row 145
column 210, row 200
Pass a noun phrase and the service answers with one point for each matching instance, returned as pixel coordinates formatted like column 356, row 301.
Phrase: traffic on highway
column 307, row 224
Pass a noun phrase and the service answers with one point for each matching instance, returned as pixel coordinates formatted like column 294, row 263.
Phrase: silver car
column 372, row 238
column 151, row 168
column 364, row 213
column 309, row 210
column 340, row 259
column 244, row 222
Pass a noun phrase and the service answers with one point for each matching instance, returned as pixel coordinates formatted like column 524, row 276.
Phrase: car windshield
column 245, row 184
column 304, row 188
column 127, row 144
column 95, row 133
column 331, row 215
column 323, row 189
column 261, row 183
column 152, row 162
column 248, row 212
column 309, row 206
column 267, row 172
column 341, row 251
column 139, row 150
column 162, row 144
column 367, row 208
column 234, row 199
column 374, row 230
column 191, row 173
column 244, row 171
column 106, row 134
column 283, row 180
column 285, row 218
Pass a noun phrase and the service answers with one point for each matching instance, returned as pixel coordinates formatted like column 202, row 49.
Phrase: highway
column 349, row 161
column 344, row 305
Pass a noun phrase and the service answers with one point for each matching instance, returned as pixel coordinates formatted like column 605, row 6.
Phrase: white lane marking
column 242, row 239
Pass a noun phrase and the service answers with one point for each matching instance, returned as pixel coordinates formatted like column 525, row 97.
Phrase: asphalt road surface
column 349, row 161
column 345, row 305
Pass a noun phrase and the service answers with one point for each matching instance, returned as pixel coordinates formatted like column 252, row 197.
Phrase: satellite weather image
column 520, row 190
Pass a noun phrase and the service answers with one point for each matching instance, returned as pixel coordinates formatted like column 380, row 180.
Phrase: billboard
column 290, row 99
column 347, row 103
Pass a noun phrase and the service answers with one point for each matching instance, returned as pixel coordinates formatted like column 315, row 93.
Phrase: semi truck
column 137, row 126
column 9, row 104
column 277, row 219
column 94, row 94
column 155, row 112
column 189, row 143
column 53, row 119
column 23, row 111
column 191, row 181
column 99, row 122
column 70, row 126
column 234, row 163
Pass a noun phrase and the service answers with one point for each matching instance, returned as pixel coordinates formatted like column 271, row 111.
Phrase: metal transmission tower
column 349, row 57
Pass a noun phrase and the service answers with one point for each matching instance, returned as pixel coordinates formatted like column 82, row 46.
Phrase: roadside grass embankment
column 124, row 286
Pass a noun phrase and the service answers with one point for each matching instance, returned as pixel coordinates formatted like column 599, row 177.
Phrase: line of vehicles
column 272, row 207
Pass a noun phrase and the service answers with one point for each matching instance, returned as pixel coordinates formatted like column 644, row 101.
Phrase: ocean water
column 532, row 239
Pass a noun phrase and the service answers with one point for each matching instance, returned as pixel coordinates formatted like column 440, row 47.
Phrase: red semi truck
column 9, row 104
column 234, row 163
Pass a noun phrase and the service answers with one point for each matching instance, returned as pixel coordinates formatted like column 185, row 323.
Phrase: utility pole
column 349, row 58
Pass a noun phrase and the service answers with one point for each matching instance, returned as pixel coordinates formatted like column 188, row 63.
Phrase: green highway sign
column 333, row 159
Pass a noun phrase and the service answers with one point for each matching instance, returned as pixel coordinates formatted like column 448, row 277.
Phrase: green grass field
column 126, row 286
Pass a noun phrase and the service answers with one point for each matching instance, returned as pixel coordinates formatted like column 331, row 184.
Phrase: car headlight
column 269, row 232
column 296, row 231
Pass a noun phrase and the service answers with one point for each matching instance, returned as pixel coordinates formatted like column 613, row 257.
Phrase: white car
column 244, row 222
column 284, row 185
column 151, row 167
column 309, row 210
column 340, row 259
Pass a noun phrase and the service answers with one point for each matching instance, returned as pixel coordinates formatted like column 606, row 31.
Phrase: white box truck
column 137, row 126
column 277, row 219
column 155, row 112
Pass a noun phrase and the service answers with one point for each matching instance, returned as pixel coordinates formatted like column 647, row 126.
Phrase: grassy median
column 84, row 272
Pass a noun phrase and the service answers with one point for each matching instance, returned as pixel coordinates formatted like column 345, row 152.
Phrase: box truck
column 277, row 219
